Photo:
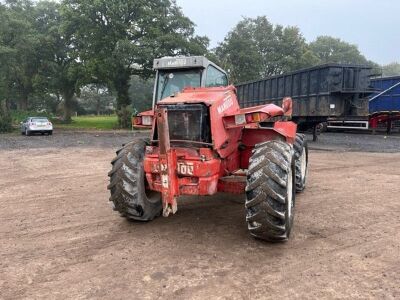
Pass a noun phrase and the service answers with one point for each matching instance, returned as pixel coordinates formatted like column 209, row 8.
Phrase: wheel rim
column 303, row 164
column 289, row 195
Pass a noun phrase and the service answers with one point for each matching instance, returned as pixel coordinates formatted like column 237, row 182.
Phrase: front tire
column 129, row 194
column 27, row 132
column 270, row 192
column 301, row 160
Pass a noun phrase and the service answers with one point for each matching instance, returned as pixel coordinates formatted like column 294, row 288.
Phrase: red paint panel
column 287, row 129
column 245, row 157
column 203, row 186
column 197, row 168
column 253, row 136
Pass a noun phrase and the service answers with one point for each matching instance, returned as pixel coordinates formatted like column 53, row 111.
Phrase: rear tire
column 270, row 191
column 50, row 132
column 301, row 160
column 128, row 185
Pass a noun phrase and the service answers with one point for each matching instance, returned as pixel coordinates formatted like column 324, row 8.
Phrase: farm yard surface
column 59, row 237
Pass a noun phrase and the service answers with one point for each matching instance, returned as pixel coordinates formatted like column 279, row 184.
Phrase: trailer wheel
column 301, row 160
column 270, row 191
column 129, row 194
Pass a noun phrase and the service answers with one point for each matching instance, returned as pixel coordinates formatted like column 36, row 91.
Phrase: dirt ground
column 60, row 239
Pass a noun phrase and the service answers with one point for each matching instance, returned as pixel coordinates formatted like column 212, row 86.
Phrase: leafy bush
column 5, row 121
column 20, row 115
column 125, row 116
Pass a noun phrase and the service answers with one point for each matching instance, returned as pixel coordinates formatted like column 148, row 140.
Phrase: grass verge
column 91, row 122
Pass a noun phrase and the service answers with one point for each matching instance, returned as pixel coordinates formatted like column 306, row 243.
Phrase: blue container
column 388, row 102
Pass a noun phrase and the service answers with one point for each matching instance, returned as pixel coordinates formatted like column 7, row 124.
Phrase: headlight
column 147, row 120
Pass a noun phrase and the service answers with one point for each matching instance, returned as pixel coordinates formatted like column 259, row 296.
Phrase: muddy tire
column 270, row 191
column 301, row 160
column 129, row 195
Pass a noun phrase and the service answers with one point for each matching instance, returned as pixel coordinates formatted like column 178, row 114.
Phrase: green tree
column 97, row 99
column 37, row 55
column 391, row 69
column 141, row 93
column 7, row 53
column 62, row 72
column 118, row 39
column 256, row 48
column 334, row 50
column 19, row 35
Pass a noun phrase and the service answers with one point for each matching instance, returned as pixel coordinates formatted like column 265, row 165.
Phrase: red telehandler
column 202, row 143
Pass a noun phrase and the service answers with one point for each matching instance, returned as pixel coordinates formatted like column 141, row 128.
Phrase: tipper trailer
column 319, row 93
column 384, row 108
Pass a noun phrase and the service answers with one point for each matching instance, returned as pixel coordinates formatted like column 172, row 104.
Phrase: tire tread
column 266, row 190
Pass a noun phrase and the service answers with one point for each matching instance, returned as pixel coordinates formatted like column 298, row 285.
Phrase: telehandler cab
column 203, row 143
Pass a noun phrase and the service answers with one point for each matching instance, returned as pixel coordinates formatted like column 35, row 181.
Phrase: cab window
column 170, row 82
column 215, row 77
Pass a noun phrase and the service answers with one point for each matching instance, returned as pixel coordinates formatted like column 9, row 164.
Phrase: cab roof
column 183, row 62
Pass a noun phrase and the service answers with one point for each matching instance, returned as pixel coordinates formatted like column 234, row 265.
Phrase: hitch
column 167, row 164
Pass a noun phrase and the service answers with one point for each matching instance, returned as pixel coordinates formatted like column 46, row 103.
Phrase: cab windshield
column 172, row 81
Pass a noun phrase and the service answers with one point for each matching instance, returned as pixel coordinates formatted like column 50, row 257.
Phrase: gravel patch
column 360, row 142
column 328, row 141
column 65, row 139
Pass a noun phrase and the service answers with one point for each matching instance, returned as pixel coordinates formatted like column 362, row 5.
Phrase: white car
column 36, row 125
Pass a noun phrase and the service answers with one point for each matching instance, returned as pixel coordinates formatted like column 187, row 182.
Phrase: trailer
column 384, row 105
column 318, row 93
column 384, row 108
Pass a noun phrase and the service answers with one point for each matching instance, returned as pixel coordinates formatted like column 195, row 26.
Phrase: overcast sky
column 373, row 25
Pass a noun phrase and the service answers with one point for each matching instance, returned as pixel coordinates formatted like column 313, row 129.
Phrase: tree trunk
column 68, row 97
column 121, row 84
column 8, row 104
column 5, row 118
column 98, row 103
column 23, row 102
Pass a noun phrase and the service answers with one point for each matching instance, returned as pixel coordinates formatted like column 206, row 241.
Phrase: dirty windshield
column 172, row 81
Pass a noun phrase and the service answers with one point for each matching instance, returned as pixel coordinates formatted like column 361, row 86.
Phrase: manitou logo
column 180, row 62
column 228, row 102
column 185, row 168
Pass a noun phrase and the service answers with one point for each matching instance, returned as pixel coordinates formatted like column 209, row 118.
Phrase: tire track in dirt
column 59, row 237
